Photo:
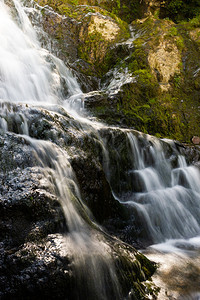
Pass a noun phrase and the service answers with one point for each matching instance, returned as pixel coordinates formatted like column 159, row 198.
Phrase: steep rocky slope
column 147, row 75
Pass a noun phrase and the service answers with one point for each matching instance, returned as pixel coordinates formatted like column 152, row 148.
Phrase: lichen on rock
column 165, row 60
column 107, row 28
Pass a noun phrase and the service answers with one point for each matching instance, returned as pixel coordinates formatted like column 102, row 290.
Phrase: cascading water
column 30, row 74
column 163, row 190
column 90, row 255
column 146, row 175
column 163, row 194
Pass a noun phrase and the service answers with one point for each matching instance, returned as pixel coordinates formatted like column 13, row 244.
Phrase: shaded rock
column 95, row 190
column 94, row 99
column 37, row 269
column 192, row 153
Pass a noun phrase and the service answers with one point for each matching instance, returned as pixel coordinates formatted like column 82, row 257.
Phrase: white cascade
column 28, row 73
column 31, row 75
column 93, row 264
column 168, row 200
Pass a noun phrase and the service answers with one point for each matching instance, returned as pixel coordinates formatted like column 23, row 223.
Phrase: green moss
column 180, row 43
column 138, row 60
column 124, row 9
column 92, row 50
column 145, row 106
column 147, row 266
column 146, row 82
column 195, row 22
column 173, row 31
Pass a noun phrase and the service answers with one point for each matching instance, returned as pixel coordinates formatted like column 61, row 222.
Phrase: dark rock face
column 35, row 270
column 192, row 153
column 29, row 216
column 95, row 189
column 35, row 261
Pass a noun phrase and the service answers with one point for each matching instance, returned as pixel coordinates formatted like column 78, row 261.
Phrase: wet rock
column 192, row 153
column 95, row 189
column 35, row 260
column 94, row 99
column 36, row 269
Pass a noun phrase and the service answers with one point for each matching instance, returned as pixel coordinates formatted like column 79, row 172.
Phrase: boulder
column 196, row 140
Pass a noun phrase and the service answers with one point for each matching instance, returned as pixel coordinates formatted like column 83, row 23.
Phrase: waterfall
column 168, row 196
column 90, row 255
column 148, row 176
column 31, row 75
column 156, row 183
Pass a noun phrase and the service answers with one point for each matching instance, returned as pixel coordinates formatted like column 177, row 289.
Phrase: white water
column 91, row 257
column 167, row 200
column 30, row 74
column 25, row 71
column 168, row 204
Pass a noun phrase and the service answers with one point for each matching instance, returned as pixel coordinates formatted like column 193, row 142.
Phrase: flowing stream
column 149, row 176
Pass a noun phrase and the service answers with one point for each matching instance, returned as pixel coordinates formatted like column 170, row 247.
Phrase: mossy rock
column 124, row 9
column 162, row 99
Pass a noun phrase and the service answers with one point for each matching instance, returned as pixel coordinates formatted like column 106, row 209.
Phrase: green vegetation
column 173, row 31
column 124, row 9
column 178, row 10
